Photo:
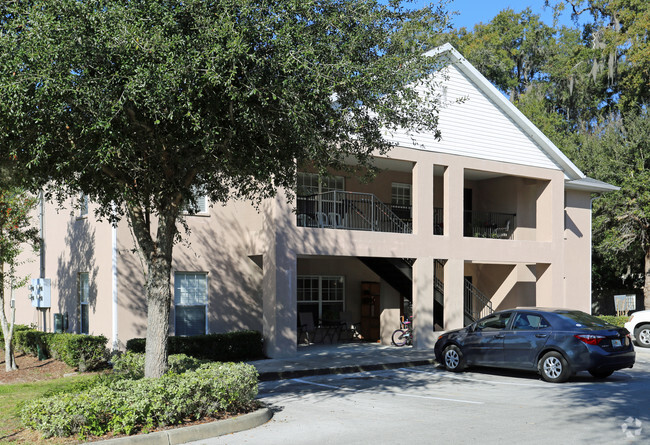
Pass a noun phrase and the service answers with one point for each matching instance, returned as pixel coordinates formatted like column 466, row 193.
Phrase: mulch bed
column 31, row 369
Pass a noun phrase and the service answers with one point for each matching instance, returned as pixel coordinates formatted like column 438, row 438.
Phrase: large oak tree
column 138, row 103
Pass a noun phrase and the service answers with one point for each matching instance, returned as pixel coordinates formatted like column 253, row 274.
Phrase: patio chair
column 306, row 326
column 503, row 232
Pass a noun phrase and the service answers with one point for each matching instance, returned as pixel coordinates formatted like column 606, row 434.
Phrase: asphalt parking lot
column 426, row 404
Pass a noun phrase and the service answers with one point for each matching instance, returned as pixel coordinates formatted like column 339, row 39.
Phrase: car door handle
column 541, row 335
column 500, row 336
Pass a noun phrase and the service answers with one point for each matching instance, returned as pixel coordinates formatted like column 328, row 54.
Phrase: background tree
column 15, row 232
column 138, row 104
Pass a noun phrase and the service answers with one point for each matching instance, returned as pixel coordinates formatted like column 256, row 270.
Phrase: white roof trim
column 569, row 168
column 590, row 185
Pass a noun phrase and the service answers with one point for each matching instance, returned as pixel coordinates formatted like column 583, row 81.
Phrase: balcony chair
column 306, row 326
column 503, row 232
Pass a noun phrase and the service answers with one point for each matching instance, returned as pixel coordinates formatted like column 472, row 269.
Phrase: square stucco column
column 279, row 303
column 424, row 337
column 454, row 294
column 453, row 219
column 279, row 279
column 423, row 198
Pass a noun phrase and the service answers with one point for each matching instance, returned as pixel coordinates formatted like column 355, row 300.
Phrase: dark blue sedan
column 557, row 343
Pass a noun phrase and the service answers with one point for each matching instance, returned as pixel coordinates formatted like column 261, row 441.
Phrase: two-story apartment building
column 491, row 216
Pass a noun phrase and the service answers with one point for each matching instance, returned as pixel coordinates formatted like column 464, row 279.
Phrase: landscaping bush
column 616, row 320
column 231, row 346
column 81, row 351
column 131, row 364
column 127, row 406
column 18, row 327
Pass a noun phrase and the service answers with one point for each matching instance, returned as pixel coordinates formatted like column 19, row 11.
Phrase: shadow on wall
column 79, row 257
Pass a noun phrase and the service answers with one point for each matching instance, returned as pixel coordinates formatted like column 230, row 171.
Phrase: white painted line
column 307, row 382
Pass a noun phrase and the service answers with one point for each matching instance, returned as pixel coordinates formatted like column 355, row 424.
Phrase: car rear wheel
column 600, row 374
column 453, row 359
column 554, row 368
column 642, row 335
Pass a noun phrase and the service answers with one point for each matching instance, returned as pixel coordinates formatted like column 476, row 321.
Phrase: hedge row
column 80, row 351
column 616, row 320
column 129, row 406
column 130, row 365
column 231, row 346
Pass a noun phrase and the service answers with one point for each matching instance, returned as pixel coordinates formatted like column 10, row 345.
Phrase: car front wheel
column 554, row 368
column 642, row 334
column 453, row 359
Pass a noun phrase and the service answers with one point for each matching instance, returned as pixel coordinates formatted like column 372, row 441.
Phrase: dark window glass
column 529, row 321
column 494, row 323
column 580, row 319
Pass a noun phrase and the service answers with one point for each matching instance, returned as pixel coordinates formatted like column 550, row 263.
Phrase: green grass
column 12, row 397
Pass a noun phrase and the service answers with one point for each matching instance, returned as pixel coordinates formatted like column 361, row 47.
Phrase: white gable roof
column 485, row 125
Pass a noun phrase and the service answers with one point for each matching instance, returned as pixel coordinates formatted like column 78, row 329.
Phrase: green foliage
column 230, row 346
column 84, row 352
column 128, row 406
column 130, row 365
column 615, row 320
column 140, row 104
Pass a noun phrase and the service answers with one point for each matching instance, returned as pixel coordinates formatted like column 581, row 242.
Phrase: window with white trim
column 313, row 183
column 83, row 206
column 401, row 194
column 323, row 296
column 84, row 297
column 200, row 207
column 190, row 303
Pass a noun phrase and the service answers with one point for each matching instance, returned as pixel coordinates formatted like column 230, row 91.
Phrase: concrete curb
column 196, row 432
column 294, row 374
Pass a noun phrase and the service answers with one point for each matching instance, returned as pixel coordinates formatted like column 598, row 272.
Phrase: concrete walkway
column 342, row 358
column 309, row 360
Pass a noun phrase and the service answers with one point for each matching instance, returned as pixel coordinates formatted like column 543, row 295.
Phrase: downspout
column 115, row 342
column 41, row 230
column 591, row 250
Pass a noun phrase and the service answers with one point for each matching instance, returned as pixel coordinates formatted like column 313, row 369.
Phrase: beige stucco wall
column 72, row 245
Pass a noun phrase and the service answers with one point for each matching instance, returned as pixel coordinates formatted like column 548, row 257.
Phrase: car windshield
column 585, row 320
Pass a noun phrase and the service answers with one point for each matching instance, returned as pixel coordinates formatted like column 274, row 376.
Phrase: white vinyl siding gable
column 476, row 127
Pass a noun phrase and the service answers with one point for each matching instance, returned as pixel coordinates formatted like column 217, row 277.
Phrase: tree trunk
column 7, row 329
column 646, row 281
column 157, row 255
column 158, row 307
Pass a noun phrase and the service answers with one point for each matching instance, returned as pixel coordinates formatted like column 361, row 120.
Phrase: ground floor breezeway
column 368, row 297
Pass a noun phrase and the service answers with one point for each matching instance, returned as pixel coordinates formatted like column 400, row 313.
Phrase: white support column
column 454, row 294
column 423, row 277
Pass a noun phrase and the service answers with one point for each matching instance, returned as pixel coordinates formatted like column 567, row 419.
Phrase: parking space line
column 395, row 394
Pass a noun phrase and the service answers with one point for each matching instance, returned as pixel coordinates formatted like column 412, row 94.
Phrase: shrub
column 126, row 406
column 231, row 346
column 131, row 364
column 616, row 320
column 80, row 351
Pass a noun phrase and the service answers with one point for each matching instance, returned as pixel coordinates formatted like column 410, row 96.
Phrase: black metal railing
column 490, row 225
column 348, row 210
column 477, row 305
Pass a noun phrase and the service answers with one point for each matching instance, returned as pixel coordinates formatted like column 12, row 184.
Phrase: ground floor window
column 190, row 303
column 84, row 291
column 323, row 296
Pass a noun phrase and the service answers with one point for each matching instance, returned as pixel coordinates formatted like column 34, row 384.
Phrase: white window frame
column 83, row 206
column 178, row 297
column 319, row 291
column 83, row 280
column 398, row 193
column 313, row 183
column 202, row 203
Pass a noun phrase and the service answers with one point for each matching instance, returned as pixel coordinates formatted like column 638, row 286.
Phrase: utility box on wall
column 39, row 292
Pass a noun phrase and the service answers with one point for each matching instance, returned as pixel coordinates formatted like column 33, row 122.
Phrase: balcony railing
column 348, row 210
column 490, row 225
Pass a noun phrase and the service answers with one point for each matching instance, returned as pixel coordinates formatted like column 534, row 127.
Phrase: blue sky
column 472, row 12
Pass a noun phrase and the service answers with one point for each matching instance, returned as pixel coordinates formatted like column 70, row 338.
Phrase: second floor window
column 401, row 194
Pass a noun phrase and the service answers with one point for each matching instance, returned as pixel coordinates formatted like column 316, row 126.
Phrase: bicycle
column 404, row 335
